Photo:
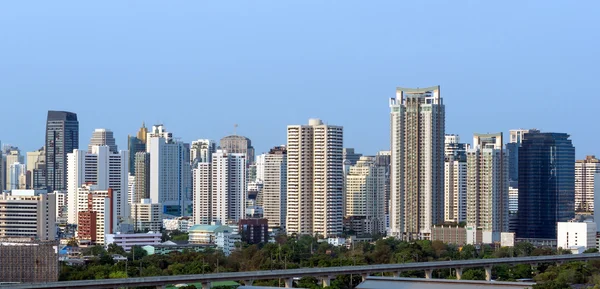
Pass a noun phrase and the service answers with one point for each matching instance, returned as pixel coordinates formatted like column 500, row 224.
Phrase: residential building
column 254, row 231
column 147, row 216
column 315, row 179
column 417, row 162
column 228, row 187
column 202, row 192
column 61, row 208
column 449, row 234
column 104, row 169
column 274, row 191
column 201, row 151
column 584, row 183
column 383, row 158
column 206, row 234
column 127, row 241
column 142, row 177
column 455, row 176
column 62, row 137
column 226, row 241
column 576, row 234
column 36, row 169
column 103, row 137
column 365, row 194
column 546, row 184
column 350, row 157
column 487, row 186
column 95, row 215
column 136, row 144
column 28, row 213
column 260, row 168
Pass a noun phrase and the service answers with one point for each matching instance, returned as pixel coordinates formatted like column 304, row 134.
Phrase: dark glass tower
column 62, row 137
column 546, row 184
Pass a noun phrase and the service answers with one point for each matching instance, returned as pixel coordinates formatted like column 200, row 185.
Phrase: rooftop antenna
column 235, row 129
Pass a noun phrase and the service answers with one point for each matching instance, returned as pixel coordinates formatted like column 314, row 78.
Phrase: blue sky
column 200, row 67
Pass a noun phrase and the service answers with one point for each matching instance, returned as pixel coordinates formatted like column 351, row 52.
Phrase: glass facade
column 546, row 184
column 134, row 145
column 62, row 137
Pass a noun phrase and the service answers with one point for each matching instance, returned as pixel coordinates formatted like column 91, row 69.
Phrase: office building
column 365, row 194
column 142, row 177
column 516, row 137
column 170, row 172
column 576, row 234
column 103, row 169
column 487, row 186
column 315, row 179
column 201, row 151
column 36, row 166
column 103, row 137
column 127, row 241
column 584, row 183
column 62, row 137
column 546, row 184
column 417, row 146
column 254, row 231
column 28, row 214
column 455, row 176
column 136, row 144
column 228, row 187
column 274, row 192
column 238, row 144
column 350, row 157
column 13, row 156
column 146, row 216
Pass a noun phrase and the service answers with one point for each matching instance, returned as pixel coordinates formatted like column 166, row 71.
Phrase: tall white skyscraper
column 455, row 180
column 365, row 193
column 274, row 192
column 201, row 151
column 417, row 146
column 103, row 137
column 260, row 167
column 17, row 174
column 228, row 186
column 104, row 170
column 315, row 179
column 584, row 183
column 170, row 172
column 202, row 187
column 487, row 189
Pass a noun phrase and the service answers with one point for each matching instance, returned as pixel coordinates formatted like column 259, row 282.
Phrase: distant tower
column 275, row 187
column 62, row 137
column 238, row 144
column 103, row 137
column 136, row 144
column 585, row 184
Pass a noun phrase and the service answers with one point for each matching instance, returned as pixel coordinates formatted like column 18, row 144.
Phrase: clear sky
column 199, row 67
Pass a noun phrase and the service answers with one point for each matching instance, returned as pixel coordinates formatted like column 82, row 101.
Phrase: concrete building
column 254, row 231
column 170, row 177
column 16, row 177
column 274, row 192
column 146, row 216
column 238, row 144
column 487, row 186
column 455, row 176
column 417, row 162
column 228, row 187
column 182, row 224
column 13, row 156
column 202, row 196
column 61, row 208
column 260, row 168
column 103, row 169
column 365, row 194
column 103, row 137
column 127, row 241
column 36, row 169
column 315, row 179
column 136, row 144
column 62, row 137
column 584, row 183
column 142, row 177
column 28, row 213
column 449, row 234
column 576, row 234
column 201, row 151
column 96, row 215
column 350, row 157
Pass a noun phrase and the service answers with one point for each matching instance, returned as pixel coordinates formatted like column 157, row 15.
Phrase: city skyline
column 352, row 69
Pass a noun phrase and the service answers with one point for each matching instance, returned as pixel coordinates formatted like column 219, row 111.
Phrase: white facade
column 584, row 183
column 13, row 156
column 103, row 169
column 315, row 179
column 126, row 241
column 103, row 137
column 576, row 234
column 147, row 216
column 417, row 163
column 61, row 207
column 15, row 177
column 226, row 241
column 274, row 192
column 103, row 203
column 28, row 213
column 513, row 200
column 182, row 224
column 201, row 151
column 365, row 193
column 455, row 190
column 260, row 167
column 228, row 187
column 170, row 177
column 202, row 187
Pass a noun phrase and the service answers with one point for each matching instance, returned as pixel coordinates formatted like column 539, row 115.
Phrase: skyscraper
column 201, row 151
column 136, row 144
column 202, row 191
column 365, row 193
column 350, row 157
column 36, row 168
column 516, row 137
column 546, row 184
column 228, row 187
column 142, row 177
column 487, row 186
column 62, row 137
column 417, row 146
column 584, row 183
column 315, row 179
column 13, row 156
column 235, row 144
column 103, row 137
column 455, row 179
column 275, row 187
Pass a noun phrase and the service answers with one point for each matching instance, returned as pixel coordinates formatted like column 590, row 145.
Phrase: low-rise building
column 182, row 224
column 576, row 234
column 449, row 234
column 126, row 241
column 224, row 237
column 178, row 246
column 147, row 216
column 28, row 214
column 254, row 231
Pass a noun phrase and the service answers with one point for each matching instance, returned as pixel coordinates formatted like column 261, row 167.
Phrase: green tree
column 113, row 248
column 117, row 275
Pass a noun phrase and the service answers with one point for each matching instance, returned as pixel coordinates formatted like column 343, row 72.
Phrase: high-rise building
column 315, row 179
column 36, row 168
column 201, row 151
column 238, row 144
column 142, row 177
column 260, row 168
column 16, row 176
column 28, row 213
column 365, row 194
column 202, row 188
column 584, row 183
column 350, row 157
column 487, row 186
column 62, row 137
column 455, row 179
column 383, row 158
column 136, row 144
column 546, row 184
column 274, row 192
column 13, row 156
column 103, row 137
column 170, row 172
column 104, row 170
column 95, row 214
column 516, row 137
column 228, row 187
column 146, row 216
column 417, row 146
